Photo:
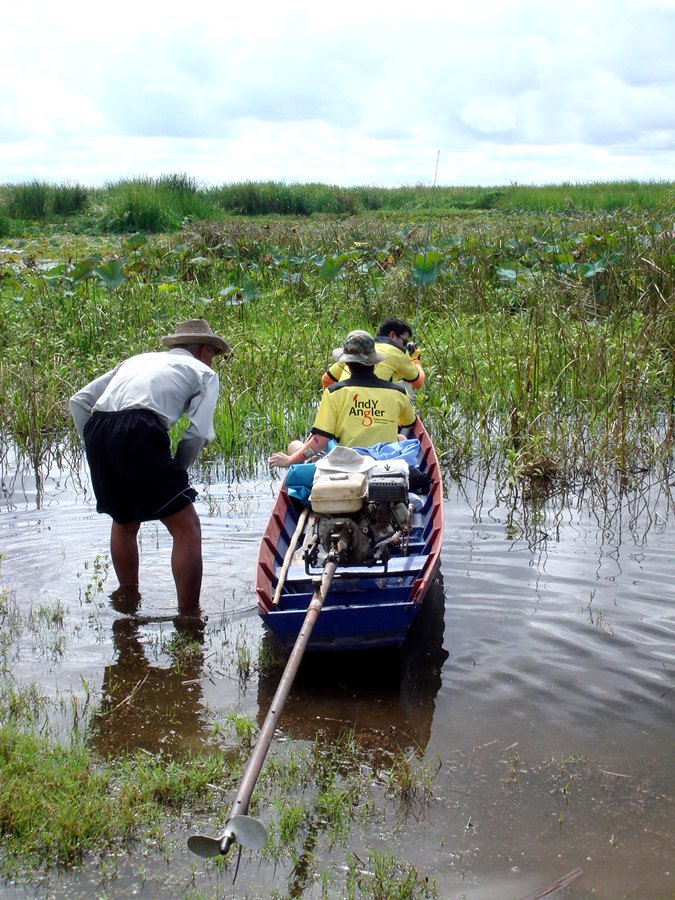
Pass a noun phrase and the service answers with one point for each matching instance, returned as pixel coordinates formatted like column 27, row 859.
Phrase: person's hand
column 279, row 461
column 413, row 350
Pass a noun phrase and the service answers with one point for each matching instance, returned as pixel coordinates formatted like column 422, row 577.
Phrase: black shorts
column 134, row 476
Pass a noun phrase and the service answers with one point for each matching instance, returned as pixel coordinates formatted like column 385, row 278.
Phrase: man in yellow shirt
column 358, row 411
column 401, row 358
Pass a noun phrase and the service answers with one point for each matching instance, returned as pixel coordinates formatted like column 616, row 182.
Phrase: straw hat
column 359, row 347
column 196, row 331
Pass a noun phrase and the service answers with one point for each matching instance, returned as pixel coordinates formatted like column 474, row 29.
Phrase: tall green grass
column 5, row 224
column 68, row 199
column 590, row 197
column 548, row 340
column 251, row 198
column 154, row 205
column 37, row 200
column 166, row 202
column 28, row 200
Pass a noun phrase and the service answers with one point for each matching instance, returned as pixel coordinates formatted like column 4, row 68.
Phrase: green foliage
column 547, row 339
column 58, row 804
column 38, row 200
column 153, row 205
column 67, row 199
column 5, row 224
column 137, row 205
column 383, row 875
column 592, row 197
column 28, row 200
column 178, row 183
column 58, row 824
column 251, row 198
column 165, row 203
column 426, row 267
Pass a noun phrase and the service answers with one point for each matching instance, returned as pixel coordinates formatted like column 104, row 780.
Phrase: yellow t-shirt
column 360, row 414
column 396, row 366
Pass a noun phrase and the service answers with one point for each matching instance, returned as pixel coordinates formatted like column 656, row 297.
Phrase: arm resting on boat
column 314, row 446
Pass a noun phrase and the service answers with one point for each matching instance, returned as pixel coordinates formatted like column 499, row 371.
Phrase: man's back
column 364, row 410
column 162, row 383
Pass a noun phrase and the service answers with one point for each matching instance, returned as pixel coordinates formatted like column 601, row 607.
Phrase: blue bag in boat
column 299, row 480
column 409, row 450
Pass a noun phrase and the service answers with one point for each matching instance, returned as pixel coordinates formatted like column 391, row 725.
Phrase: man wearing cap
column 358, row 412
column 124, row 418
column 401, row 357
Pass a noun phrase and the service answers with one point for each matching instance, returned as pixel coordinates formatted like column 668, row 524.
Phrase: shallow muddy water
column 539, row 685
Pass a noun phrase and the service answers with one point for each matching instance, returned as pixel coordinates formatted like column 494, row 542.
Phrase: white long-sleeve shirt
column 166, row 383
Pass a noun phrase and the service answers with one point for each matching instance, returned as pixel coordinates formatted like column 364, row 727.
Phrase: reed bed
column 548, row 340
column 167, row 202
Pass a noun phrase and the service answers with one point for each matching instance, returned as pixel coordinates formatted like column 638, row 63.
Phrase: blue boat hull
column 366, row 607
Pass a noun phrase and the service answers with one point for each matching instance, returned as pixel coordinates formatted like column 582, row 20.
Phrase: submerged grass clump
column 58, row 803
column 59, row 824
column 385, row 875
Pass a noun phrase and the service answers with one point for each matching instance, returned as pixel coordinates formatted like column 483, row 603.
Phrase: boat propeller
column 245, row 830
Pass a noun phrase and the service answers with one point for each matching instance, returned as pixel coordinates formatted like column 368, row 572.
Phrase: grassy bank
column 166, row 203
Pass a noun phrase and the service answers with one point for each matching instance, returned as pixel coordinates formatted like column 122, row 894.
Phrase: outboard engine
column 371, row 509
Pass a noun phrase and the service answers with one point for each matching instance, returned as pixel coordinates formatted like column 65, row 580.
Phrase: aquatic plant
column 384, row 875
column 68, row 199
column 548, row 339
column 57, row 804
column 28, row 200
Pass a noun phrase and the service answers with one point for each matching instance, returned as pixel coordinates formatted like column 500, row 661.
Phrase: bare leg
column 124, row 552
column 186, row 556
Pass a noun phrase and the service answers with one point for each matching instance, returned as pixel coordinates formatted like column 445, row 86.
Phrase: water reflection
column 39, row 475
column 560, row 613
column 537, row 510
column 145, row 706
column 553, row 714
column 385, row 699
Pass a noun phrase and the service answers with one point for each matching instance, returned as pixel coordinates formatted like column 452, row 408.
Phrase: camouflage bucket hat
column 359, row 347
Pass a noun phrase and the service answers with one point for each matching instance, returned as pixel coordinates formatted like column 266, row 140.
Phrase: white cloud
column 360, row 93
column 488, row 117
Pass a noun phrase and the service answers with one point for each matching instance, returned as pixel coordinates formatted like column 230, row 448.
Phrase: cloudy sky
column 349, row 93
